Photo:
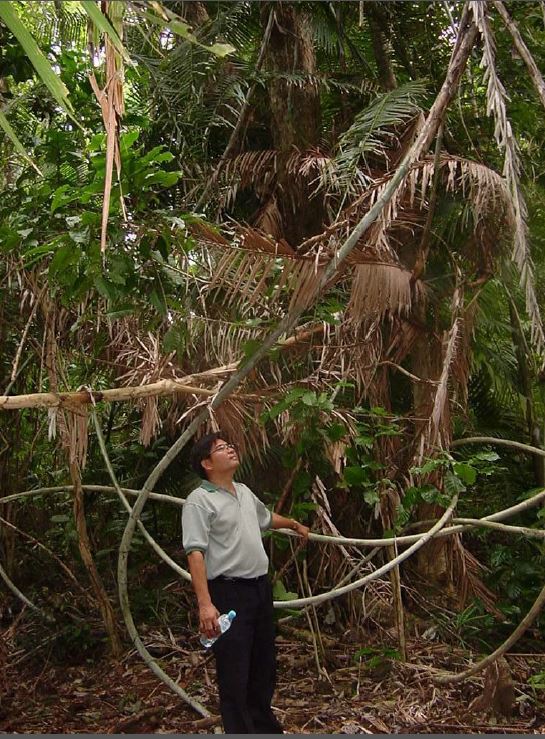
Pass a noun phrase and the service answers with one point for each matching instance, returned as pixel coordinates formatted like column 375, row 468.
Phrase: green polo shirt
column 227, row 529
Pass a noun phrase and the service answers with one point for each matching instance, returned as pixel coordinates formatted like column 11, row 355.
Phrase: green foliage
column 376, row 657
column 362, row 471
column 369, row 134
column 183, row 99
column 10, row 16
column 537, row 682
column 313, row 427
column 280, row 592
column 471, row 627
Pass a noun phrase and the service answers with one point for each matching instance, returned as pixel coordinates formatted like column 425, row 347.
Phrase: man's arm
column 281, row 522
column 208, row 613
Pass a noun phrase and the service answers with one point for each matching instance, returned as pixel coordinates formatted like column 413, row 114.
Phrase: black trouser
column 245, row 655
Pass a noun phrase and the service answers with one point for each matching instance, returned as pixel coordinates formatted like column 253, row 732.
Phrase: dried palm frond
column 503, row 132
column 205, row 233
column 75, row 424
column 438, row 431
column 465, row 571
column 305, row 285
column 269, row 219
column 256, row 239
column 484, row 188
column 379, row 288
column 151, row 420
column 258, row 171
column 112, row 105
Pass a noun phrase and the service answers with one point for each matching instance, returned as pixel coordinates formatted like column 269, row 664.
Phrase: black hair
column 201, row 450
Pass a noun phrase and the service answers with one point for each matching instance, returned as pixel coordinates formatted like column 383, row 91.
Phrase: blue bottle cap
column 231, row 615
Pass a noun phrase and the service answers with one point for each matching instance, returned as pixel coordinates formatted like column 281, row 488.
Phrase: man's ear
column 207, row 464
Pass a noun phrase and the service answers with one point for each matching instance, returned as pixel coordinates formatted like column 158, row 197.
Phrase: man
column 222, row 522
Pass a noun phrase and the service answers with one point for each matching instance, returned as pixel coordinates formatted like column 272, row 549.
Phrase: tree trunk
column 295, row 117
column 380, row 33
column 106, row 609
column 433, row 561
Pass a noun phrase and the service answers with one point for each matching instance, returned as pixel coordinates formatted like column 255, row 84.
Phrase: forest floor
column 40, row 692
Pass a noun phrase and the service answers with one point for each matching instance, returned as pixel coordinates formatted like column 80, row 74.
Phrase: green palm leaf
column 102, row 23
column 5, row 125
column 9, row 16
column 370, row 133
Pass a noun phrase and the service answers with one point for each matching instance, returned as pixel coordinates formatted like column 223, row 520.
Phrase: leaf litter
column 42, row 693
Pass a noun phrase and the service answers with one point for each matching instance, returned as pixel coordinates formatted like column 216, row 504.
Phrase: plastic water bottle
column 224, row 622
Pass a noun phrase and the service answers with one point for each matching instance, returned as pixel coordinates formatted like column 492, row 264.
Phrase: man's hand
column 281, row 522
column 208, row 620
column 302, row 530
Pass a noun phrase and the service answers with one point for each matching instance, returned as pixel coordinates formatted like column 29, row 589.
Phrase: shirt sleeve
column 195, row 527
column 264, row 516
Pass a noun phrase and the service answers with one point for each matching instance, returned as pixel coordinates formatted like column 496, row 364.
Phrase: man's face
column 223, row 458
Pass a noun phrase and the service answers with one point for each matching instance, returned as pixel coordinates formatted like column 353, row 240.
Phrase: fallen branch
column 88, row 397
column 135, row 392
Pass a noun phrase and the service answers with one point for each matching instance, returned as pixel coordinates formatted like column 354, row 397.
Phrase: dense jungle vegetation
column 320, row 228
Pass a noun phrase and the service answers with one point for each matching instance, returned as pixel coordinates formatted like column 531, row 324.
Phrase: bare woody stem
column 527, row 58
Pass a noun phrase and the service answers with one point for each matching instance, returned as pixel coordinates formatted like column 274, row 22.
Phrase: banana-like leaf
column 102, row 22
column 6, row 126
column 10, row 17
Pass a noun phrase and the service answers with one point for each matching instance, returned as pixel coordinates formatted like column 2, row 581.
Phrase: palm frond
column 370, row 133
column 503, row 132
column 379, row 288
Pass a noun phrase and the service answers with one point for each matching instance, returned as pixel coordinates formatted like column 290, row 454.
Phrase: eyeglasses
column 222, row 447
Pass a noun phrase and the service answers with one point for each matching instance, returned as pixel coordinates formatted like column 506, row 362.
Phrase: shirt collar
column 209, row 486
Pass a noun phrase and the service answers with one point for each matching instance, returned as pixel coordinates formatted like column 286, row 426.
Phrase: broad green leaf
column 178, row 26
column 355, row 475
column 309, row 399
column 336, row 431
column 105, row 288
column 453, row 485
column 371, row 496
column 102, row 22
column 19, row 148
column 65, row 255
column 280, row 592
column 221, row 49
column 60, row 197
column 465, row 472
column 488, row 456
column 10, row 17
